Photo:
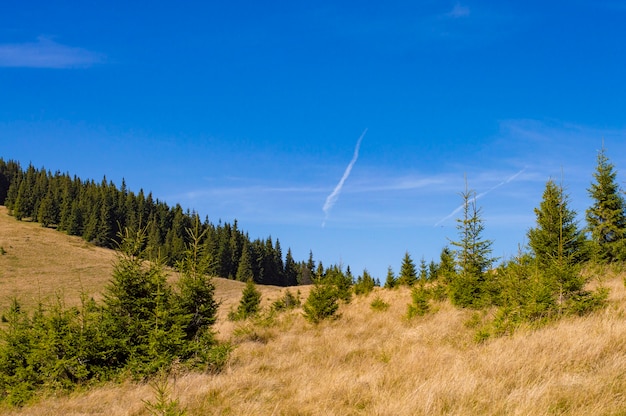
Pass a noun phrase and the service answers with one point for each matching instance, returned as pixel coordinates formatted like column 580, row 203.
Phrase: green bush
column 288, row 301
column 378, row 304
column 364, row 284
column 138, row 331
column 322, row 303
column 585, row 302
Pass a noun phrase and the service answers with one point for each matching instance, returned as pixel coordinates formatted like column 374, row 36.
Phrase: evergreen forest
column 99, row 212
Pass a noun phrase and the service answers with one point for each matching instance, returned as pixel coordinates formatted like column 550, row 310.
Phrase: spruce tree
column 556, row 236
column 606, row 218
column 558, row 245
column 390, row 281
column 470, row 287
column 364, row 284
column 291, row 270
column 423, row 273
column 408, row 273
column 244, row 270
column 446, row 270
column 322, row 303
column 141, row 318
column 196, row 289
column 45, row 214
column 249, row 304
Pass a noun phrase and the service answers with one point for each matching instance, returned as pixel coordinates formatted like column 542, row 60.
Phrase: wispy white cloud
column 480, row 195
column 458, row 11
column 508, row 173
column 46, row 53
column 559, row 147
column 334, row 195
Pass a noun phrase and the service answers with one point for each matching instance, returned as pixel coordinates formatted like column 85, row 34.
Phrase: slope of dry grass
column 378, row 363
column 41, row 263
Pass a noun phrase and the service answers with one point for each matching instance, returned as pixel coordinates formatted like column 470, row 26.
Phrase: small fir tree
column 446, row 269
column 250, row 302
column 419, row 305
column 423, row 274
column 390, row 281
column 322, row 303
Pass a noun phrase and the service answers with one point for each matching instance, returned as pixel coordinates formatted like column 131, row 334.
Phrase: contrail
column 504, row 182
column 334, row 195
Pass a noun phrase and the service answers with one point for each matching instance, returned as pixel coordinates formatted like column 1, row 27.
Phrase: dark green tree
column 307, row 271
column 244, row 270
column 291, row 270
column 606, row 218
column 46, row 214
column 408, row 273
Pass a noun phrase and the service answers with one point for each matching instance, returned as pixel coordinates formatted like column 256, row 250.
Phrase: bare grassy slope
column 40, row 263
column 377, row 363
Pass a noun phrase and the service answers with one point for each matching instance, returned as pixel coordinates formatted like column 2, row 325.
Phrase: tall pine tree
column 470, row 287
column 408, row 273
column 556, row 236
column 606, row 218
column 558, row 245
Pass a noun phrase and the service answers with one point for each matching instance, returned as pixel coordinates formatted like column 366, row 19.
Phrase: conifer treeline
column 98, row 212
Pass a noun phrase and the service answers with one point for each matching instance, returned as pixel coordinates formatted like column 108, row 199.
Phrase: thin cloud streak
column 458, row 11
column 460, row 207
column 46, row 53
column 334, row 195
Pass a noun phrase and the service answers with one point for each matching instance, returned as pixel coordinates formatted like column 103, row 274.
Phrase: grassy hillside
column 41, row 263
column 367, row 362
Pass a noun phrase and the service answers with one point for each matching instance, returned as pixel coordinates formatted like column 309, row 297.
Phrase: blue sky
column 338, row 127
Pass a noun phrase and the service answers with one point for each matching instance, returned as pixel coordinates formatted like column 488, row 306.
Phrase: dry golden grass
column 378, row 363
column 41, row 263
